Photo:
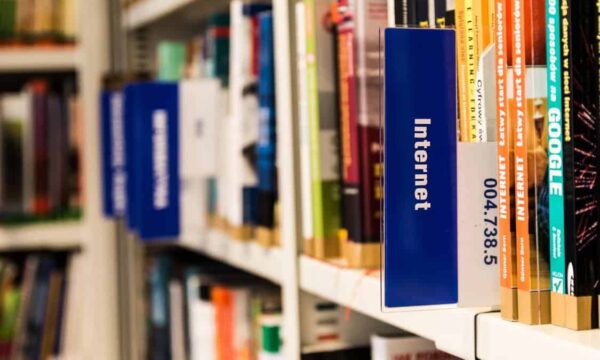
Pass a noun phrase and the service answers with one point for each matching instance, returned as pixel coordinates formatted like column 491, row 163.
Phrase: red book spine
column 351, row 207
column 41, row 201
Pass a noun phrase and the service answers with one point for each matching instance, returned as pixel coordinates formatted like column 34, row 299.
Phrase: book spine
column 462, row 70
column 372, row 18
column 505, row 173
column 267, row 179
column 40, row 143
column 440, row 13
column 555, row 146
column 580, row 146
column 472, row 43
column 351, row 206
column 323, row 133
column 521, row 174
column 422, row 13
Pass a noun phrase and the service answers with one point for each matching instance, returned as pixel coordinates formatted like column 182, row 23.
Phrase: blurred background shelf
column 54, row 236
column 38, row 59
column 533, row 342
column 245, row 255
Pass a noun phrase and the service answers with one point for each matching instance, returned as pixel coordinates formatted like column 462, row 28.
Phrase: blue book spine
column 113, row 154
column 107, row 195
column 420, row 214
column 157, row 157
column 131, row 98
column 267, row 177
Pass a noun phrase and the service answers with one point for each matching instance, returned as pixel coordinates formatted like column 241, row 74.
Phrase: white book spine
column 305, row 169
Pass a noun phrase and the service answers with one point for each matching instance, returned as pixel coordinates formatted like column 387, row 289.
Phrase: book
column 323, row 129
column 370, row 21
column 39, row 90
column 556, row 204
column 176, row 321
column 151, row 132
column 580, row 49
column 504, row 135
column 266, row 144
column 113, row 153
column 412, row 127
column 15, row 114
column 530, row 159
column 170, row 60
column 159, row 340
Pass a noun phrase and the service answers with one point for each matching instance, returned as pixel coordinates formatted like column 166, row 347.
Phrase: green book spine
column 323, row 130
column 555, row 150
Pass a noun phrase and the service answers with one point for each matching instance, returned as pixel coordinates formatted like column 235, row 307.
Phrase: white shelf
column 249, row 256
column 38, row 59
column 55, row 236
column 499, row 339
column 453, row 330
column 144, row 12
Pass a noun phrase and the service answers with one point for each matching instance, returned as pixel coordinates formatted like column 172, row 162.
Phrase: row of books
column 32, row 22
column 32, row 299
column 219, row 134
column 522, row 198
column 208, row 311
column 40, row 150
column 340, row 154
column 205, row 310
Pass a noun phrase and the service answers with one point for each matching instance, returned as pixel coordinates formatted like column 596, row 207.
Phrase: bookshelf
column 34, row 59
column 91, row 295
column 464, row 332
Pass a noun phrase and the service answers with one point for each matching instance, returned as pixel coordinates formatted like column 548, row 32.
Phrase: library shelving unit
column 90, row 330
column 469, row 333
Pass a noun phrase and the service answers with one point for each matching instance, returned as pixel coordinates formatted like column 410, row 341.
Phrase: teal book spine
column 555, row 149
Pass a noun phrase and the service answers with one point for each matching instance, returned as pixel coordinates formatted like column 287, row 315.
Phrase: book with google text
column 420, row 202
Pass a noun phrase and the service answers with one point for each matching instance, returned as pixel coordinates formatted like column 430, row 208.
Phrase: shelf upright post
column 287, row 153
column 92, row 331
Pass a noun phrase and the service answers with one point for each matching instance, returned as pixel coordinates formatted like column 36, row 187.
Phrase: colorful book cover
column 266, row 145
column 420, row 134
column 504, row 135
column 323, row 128
column 531, row 142
column 581, row 158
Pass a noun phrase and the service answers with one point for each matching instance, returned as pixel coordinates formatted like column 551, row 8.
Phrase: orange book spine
column 461, row 57
column 508, row 269
column 223, row 301
column 521, row 161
